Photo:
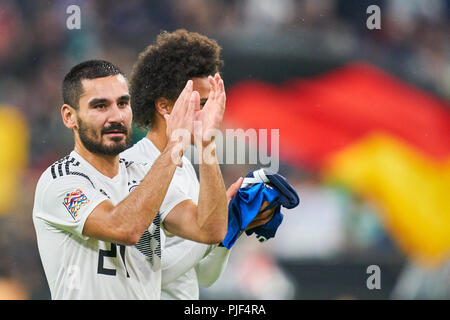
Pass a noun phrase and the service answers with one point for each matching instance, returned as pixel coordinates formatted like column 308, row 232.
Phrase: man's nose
column 116, row 114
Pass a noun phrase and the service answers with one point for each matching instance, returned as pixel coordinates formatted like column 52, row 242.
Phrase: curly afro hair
column 163, row 69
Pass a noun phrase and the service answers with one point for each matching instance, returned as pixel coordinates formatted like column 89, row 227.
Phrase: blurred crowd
column 37, row 49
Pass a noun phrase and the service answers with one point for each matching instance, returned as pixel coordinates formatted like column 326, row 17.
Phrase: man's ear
column 69, row 117
column 163, row 106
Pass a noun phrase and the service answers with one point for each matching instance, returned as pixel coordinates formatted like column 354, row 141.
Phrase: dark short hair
column 163, row 69
column 91, row 69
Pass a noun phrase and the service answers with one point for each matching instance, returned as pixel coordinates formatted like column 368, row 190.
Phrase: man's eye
column 100, row 106
column 123, row 103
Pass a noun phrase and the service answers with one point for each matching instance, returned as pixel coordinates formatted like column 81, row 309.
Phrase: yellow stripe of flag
column 411, row 190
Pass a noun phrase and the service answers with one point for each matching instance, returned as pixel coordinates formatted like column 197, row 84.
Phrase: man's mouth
column 115, row 130
column 114, row 133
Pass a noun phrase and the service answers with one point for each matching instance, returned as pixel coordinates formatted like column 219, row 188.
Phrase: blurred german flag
column 366, row 130
column 13, row 155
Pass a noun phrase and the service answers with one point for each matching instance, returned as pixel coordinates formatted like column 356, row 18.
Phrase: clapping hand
column 210, row 117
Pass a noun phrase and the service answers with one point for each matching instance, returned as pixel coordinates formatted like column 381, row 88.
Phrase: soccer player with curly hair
column 157, row 79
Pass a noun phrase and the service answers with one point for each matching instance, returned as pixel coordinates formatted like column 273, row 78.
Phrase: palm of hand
column 209, row 119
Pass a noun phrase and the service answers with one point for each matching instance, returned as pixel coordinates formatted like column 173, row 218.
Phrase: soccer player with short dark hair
column 97, row 216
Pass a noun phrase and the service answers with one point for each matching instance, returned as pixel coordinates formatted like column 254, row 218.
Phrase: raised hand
column 210, row 117
column 180, row 122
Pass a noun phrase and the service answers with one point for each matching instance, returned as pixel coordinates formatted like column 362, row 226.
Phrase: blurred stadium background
column 364, row 124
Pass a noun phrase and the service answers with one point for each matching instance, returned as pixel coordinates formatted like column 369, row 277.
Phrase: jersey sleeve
column 66, row 202
column 174, row 196
column 212, row 265
column 180, row 258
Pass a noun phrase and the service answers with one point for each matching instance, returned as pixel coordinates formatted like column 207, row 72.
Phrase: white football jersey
column 176, row 250
column 79, row 267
